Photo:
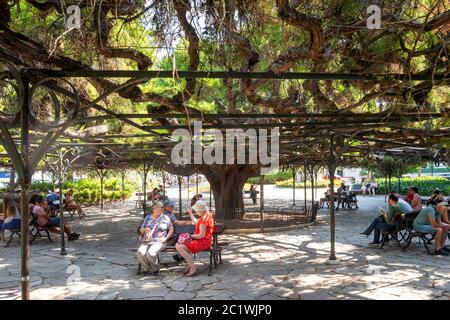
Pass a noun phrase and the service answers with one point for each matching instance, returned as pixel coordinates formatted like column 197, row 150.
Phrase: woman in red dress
column 201, row 239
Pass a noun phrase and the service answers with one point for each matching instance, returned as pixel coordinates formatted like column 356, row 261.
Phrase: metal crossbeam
column 380, row 115
column 240, row 75
column 322, row 124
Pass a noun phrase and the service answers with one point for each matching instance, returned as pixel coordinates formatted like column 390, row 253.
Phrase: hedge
column 289, row 184
column 272, row 178
column 425, row 184
column 87, row 191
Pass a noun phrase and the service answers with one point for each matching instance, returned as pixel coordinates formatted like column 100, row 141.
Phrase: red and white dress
column 204, row 243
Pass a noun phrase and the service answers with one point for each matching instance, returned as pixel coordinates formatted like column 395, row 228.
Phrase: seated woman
column 71, row 204
column 11, row 216
column 385, row 222
column 44, row 220
column 327, row 197
column 201, row 239
column 155, row 231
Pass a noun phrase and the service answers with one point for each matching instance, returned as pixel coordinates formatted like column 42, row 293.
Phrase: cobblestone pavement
column 283, row 265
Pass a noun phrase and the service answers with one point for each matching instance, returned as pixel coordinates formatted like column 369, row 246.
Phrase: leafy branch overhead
column 272, row 36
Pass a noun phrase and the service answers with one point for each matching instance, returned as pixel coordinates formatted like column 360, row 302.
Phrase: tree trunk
column 12, row 180
column 390, row 184
column 386, row 188
column 227, row 183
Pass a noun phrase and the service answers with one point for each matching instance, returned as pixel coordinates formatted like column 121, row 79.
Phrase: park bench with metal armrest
column 18, row 231
column 424, row 237
column 215, row 251
column 347, row 200
column 395, row 234
column 37, row 229
column 13, row 233
column 405, row 233
column 70, row 210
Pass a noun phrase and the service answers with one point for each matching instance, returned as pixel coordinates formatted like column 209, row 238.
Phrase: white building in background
column 37, row 176
column 4, row 178
column 351, row 175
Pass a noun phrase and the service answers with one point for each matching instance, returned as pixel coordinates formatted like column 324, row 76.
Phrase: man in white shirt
column 405, row 206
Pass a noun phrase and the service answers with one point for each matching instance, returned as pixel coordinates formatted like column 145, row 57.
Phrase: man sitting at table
column 384, row 222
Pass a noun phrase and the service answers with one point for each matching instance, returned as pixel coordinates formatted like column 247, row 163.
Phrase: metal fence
column 272, row 216
column 276, row 213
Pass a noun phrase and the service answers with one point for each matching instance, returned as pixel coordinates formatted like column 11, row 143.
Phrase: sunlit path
column 286, row 265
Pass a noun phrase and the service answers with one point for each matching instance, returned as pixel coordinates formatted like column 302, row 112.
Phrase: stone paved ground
column 285, row 265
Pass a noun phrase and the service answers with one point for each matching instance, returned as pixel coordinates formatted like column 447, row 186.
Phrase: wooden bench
column 215, row 251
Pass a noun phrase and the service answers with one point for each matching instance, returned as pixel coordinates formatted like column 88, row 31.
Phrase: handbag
column 147, row 237
column 184, row 238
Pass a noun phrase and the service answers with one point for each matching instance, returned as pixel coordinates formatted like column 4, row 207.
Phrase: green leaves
column 426, row 185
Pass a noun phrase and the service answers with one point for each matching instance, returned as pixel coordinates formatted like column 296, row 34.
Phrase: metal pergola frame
column 149, row 74
column 334, row 141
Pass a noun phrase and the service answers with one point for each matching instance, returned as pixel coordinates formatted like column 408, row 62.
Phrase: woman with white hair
column 201, row 239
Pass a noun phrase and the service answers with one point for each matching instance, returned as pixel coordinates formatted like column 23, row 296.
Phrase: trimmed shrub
column 87, row 191
column 289, row 184
column 425, row 184
column 41, row 187
column 272, row 178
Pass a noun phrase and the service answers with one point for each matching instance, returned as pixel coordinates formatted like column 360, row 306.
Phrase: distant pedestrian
column 253, row 193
